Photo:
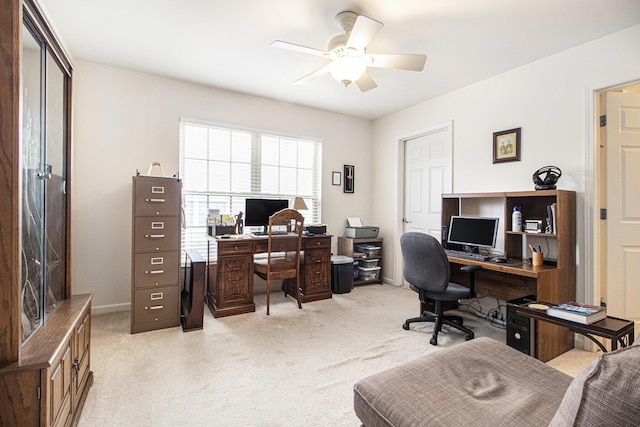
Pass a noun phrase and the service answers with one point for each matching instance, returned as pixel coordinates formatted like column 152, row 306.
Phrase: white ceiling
column 226, row 43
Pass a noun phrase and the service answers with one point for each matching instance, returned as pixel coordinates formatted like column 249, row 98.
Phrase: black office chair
column 427, row 270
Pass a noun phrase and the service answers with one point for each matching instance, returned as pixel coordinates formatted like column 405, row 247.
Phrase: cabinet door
column 235, row 278
column 82, row 355
column 59, row 391
column 43, row 156
column 317, row 265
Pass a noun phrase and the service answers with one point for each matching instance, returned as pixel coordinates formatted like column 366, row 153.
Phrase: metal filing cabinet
column 155, row 269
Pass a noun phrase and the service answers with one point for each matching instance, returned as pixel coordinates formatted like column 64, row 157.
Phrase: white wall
column 124, row 120
column 548, row 99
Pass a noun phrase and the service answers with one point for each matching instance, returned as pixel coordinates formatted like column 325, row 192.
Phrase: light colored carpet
column 292, row 368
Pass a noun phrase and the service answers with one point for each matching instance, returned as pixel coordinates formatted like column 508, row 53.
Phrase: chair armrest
column 471, row 269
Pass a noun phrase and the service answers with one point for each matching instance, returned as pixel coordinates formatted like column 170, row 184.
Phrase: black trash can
column 341, row 274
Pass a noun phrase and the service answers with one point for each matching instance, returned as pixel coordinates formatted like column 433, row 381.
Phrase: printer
column 355, row 230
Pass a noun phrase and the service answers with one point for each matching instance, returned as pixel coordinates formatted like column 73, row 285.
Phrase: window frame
column 211, row 197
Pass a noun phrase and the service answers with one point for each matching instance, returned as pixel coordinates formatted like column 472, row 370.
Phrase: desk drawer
column 156, row 196
column 155, row 305
column 234, row 248
column 156, row 269
column 316, row 242
column 317, row 271
column 156, row 234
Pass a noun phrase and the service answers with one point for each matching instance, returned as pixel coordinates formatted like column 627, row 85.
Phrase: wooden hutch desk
column 554, row 282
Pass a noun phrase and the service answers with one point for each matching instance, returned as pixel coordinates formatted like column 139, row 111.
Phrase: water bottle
column 516, row 219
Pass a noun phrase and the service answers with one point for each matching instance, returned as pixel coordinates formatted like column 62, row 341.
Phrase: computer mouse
column 499, row 260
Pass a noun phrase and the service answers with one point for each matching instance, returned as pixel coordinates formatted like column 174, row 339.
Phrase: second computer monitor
column 473, row 231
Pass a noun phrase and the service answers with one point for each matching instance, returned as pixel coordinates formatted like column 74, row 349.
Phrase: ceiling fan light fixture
column 348, row 68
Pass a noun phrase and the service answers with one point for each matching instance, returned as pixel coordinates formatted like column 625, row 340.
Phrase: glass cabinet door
column 43, row 187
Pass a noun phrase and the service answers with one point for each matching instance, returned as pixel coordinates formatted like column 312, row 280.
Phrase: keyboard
column 467, row 255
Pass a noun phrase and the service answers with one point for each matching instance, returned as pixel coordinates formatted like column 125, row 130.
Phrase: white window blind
column 223, row 166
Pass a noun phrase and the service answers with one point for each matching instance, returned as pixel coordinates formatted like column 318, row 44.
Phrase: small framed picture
column 506, row 146
column 348, row 179
column 336, row 178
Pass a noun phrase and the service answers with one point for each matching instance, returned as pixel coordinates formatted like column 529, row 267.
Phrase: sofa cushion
column 607, row 392
column 478, row 382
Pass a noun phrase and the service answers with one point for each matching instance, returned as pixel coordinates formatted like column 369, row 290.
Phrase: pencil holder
column 537, row 258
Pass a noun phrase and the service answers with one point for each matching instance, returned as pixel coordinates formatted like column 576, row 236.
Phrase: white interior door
column 428, row 174
column 622, row 198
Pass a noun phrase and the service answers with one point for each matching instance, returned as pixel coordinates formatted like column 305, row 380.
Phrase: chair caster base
column 433, row 341
column 468, row 337
column 405, row 326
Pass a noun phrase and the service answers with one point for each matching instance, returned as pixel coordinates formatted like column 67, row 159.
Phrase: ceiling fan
column 347, row 52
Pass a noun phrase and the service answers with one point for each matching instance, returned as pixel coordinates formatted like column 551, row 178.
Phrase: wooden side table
column 617, row 330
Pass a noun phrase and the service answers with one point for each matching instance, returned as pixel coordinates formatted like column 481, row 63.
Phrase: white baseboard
column 111, row 308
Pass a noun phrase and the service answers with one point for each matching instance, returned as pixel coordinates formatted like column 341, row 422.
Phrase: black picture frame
column 349, row 177
column 507, row 146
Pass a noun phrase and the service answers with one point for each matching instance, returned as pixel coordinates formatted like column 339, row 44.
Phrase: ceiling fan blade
column 410, row 62
column 317, row 73
column 363, row 31
column 365, row 83
column 298, row 48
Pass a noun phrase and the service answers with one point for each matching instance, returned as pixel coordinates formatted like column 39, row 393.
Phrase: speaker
column 521, row 333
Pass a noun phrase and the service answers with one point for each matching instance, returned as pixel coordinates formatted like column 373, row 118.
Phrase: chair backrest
column 425, row 262
column 285, row 234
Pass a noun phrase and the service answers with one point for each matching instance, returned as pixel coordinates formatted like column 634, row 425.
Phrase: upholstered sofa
column 486, row 383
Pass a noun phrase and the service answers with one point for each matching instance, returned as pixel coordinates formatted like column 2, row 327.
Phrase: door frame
column 594, row 175
column 442, row 126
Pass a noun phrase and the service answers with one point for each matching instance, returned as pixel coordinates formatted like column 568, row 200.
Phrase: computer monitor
column 473, row 231
column 258, row 211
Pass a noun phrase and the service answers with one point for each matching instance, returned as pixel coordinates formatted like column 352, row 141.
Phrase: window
column 222, row 166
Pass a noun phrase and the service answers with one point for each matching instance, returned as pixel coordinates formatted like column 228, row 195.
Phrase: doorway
column 617, row 250
column 427, row 165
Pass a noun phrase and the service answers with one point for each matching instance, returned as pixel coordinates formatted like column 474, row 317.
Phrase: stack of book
column 578, row 312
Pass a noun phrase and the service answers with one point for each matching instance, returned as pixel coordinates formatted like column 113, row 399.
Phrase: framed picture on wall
column 506, row 146
column 348, row 178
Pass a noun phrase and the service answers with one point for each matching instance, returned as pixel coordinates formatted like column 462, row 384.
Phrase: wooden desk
column 507, row 282
column 617, row 330
column 230, row 272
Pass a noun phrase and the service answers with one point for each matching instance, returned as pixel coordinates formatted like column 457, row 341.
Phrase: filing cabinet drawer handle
column 155, row 307
column 154, row 272
column 157, row 295
column 154, row 236
column 154, row 200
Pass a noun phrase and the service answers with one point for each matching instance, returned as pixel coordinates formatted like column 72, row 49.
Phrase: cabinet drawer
column 156, row 196
column 233, row 248
column 316, row 242
column 156, row 269
column 156, row 234
column 154, row 305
